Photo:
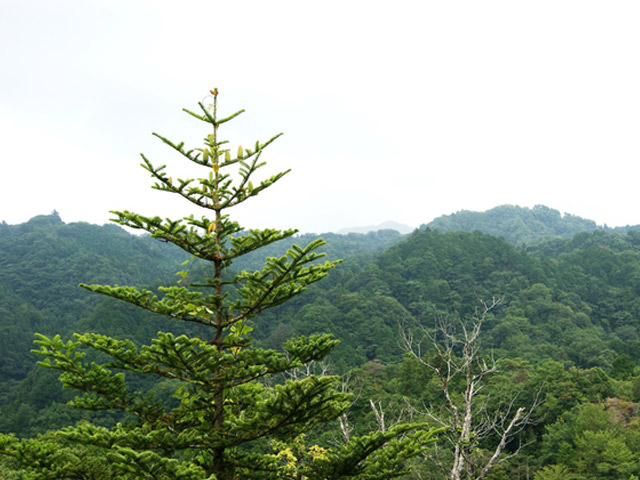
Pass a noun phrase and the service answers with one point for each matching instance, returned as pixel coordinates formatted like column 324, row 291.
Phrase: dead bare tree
column 382, row 422
column 343, row 420
column 454, row 348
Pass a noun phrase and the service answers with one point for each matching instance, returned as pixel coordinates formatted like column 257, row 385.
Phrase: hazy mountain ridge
column 520, row 225
column 388, row 225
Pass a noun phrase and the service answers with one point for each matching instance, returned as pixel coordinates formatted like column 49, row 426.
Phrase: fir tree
column 232, row 404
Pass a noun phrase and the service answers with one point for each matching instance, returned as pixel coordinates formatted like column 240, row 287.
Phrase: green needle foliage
column 233, row 412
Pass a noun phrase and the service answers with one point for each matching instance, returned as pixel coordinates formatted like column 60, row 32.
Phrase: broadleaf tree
column 232, row 407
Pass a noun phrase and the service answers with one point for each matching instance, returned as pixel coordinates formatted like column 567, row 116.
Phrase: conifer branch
column 254, row 239
column 288, row 280
column 230, row 117
column 178, row 303
column 180, row 148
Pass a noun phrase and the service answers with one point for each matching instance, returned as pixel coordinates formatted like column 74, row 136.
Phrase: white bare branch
column 454, row 352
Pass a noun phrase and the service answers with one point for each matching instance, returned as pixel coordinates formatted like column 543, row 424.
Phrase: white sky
column 401, row 110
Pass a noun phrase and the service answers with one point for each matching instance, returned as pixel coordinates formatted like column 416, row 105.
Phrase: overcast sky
column 391, row 110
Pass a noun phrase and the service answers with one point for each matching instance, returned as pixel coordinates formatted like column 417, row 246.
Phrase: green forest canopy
column 572, row 301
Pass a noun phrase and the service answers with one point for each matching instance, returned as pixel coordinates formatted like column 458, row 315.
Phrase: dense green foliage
column 580, row 308
column 568, row 327
column 42, row 262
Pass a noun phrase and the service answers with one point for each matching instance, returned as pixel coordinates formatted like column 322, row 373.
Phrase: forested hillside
column 520, row 225
column 42, row 262
column 570, row 318
column 568, row 324
column 578, row 307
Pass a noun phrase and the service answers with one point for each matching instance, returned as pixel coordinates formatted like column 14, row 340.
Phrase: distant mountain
column 390, row 225
column 520, row 225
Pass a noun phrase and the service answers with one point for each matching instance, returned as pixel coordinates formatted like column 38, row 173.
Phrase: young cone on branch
column 225, row 417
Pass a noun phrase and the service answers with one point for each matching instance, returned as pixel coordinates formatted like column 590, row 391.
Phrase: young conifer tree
column 231, row 398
